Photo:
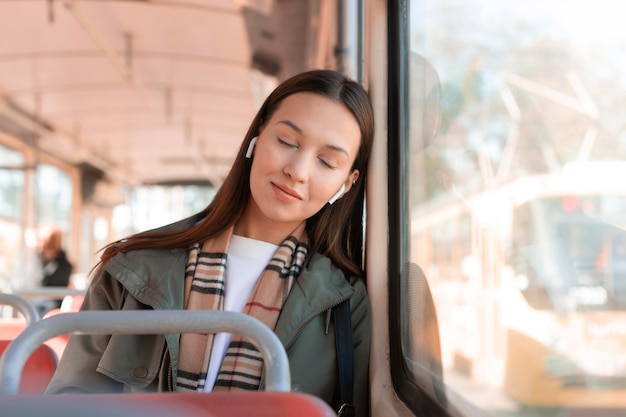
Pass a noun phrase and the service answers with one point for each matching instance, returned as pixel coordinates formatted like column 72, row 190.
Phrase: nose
column 297, row 167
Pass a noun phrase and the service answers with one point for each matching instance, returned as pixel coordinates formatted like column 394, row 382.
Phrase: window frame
column 417, row 398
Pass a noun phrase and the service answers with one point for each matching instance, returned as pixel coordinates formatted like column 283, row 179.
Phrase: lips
column 285, row 193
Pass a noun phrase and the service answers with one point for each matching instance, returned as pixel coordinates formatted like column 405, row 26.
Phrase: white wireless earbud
column 251, row 147
column 337, row 194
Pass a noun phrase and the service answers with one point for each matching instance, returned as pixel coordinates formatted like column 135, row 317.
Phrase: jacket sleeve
column 77, row 369
column 361, row 338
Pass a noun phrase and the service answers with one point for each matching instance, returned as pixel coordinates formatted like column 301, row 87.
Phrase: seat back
column 38, row 370
column 11, row 327
column 222, row 404
column 276, row 401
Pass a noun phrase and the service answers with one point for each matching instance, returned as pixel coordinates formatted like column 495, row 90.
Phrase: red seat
column 10, row 328
column 71, row 303
column 231, row 404
column 38, row 369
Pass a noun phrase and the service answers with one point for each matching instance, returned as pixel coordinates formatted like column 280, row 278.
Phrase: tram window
column 526, row 146
column 53, row 188
column 11, row 182
column 154, row 206
column 12, row 179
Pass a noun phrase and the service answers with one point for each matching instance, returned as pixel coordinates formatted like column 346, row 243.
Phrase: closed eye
column 327, row 164
column 289, row 144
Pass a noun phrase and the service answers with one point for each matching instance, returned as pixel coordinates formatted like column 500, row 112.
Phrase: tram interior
column 104, row 100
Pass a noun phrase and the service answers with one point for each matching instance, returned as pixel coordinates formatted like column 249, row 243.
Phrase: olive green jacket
column 153, row 279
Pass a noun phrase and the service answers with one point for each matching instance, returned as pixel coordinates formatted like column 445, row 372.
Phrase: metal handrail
column 25, row 307
column 56, row 293
column 276, row 367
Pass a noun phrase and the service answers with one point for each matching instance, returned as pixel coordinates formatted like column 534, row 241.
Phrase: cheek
column 265, row 158
column 263, row 165
column 262, row 157
column 256, row 173
column 322, row 189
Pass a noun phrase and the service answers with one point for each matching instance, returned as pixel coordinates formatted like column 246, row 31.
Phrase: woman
column 276, row 234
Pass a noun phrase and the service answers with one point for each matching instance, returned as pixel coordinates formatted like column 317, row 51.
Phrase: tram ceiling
column 146, row 91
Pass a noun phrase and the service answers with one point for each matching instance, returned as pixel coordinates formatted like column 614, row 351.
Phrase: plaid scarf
column 204, row 290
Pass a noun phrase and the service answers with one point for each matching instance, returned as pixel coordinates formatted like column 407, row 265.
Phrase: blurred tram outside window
column 516, row 200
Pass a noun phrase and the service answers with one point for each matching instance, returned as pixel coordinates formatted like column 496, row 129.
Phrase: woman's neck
column 261, row 228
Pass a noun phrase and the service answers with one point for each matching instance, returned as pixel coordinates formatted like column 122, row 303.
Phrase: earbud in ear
column 337, row 194
column 251, row 147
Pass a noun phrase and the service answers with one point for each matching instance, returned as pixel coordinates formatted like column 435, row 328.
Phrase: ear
column 351, row 180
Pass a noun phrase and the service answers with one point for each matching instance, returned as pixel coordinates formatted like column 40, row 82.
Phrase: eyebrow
column 297, row 129
column 291, row 125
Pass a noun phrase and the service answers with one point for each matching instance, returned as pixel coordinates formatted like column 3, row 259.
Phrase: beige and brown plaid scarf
column 204, row 290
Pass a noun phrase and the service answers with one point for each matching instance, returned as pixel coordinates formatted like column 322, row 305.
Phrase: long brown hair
column 330, row 230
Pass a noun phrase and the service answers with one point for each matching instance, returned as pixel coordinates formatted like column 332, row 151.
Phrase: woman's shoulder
column 323, row 265
column 152, row 261
column 319, row 263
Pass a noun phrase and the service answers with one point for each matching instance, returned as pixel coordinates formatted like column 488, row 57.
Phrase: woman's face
column 303, row 155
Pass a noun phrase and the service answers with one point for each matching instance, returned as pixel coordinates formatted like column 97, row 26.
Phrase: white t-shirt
column 247, row 258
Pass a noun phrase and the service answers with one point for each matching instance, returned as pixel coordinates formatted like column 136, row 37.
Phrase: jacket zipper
column 169, row 378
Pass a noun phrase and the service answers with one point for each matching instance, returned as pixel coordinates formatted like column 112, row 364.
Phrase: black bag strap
column 345, row 360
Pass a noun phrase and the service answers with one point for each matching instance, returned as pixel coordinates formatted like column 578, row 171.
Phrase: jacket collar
column 154, row 277
column 319, row 287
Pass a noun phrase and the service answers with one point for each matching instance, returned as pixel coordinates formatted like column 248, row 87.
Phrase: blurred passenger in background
column 55, row 267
